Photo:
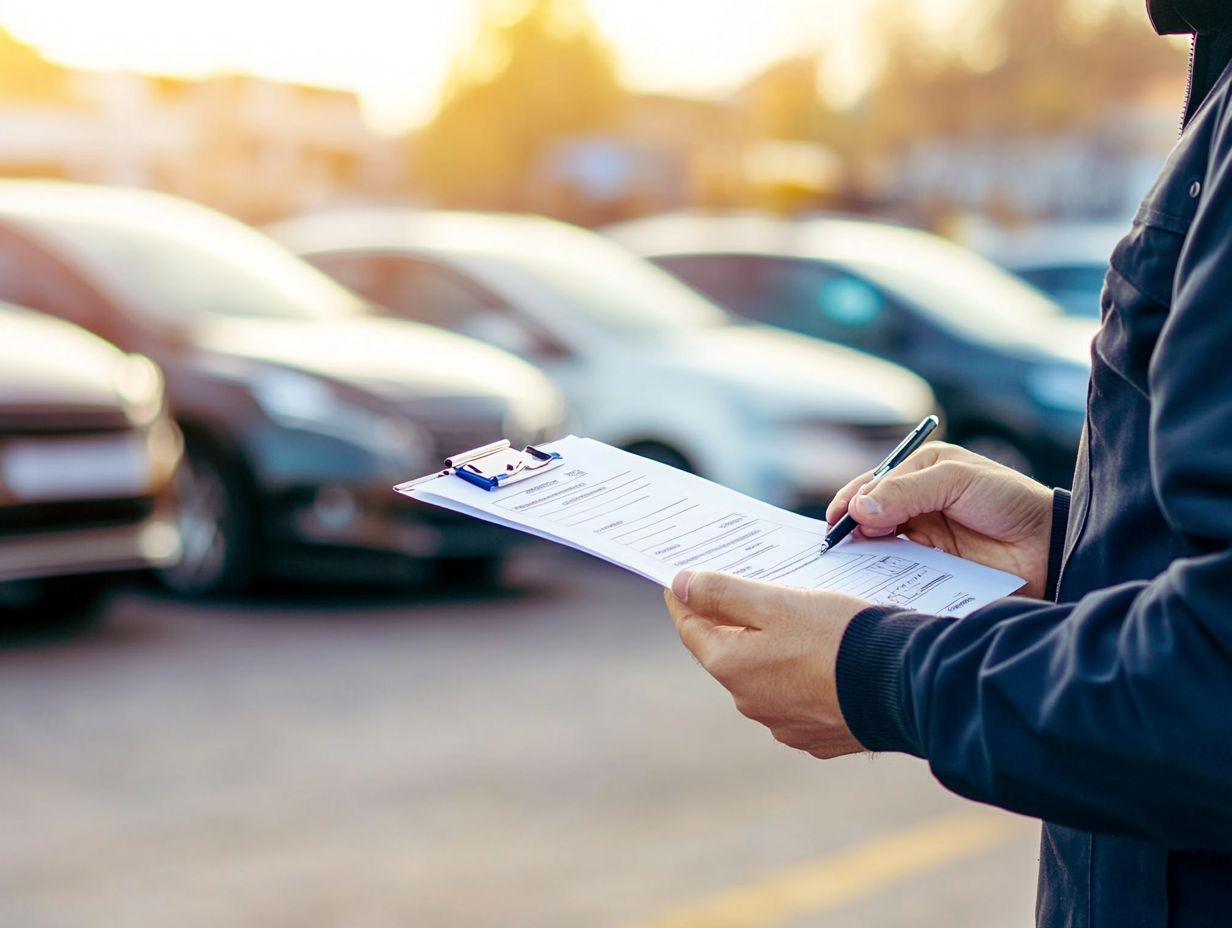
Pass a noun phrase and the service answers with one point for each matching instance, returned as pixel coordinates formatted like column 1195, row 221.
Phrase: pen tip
column 825, row 546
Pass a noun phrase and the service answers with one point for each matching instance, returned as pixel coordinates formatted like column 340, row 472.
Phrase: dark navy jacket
column 1108, row 713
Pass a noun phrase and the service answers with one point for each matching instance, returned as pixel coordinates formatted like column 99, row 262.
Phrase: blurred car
column 300, row 408
column 1067, row 261
column 644, row 362
column 86, row 456
column 1008, row 367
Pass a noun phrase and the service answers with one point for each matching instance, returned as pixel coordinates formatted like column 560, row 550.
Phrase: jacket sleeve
column 1113, row 713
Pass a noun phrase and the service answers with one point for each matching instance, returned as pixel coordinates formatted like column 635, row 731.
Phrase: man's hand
column 774, row 648
column 950, row 498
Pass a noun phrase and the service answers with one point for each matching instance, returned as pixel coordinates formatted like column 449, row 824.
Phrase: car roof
column 436, row 230
column 830, row 238
column 1057, row 244
column 42, row 201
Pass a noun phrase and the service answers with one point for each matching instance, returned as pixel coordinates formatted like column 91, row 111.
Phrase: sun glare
column 396, row 54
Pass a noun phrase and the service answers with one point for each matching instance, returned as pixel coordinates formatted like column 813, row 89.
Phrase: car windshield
column 956, row 287
column 615, row 289
column 182, row 265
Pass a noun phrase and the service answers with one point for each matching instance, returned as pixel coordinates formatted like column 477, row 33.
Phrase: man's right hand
column 947, row 497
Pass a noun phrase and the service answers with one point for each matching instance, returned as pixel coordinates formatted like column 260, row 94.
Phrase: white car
column 644, row 362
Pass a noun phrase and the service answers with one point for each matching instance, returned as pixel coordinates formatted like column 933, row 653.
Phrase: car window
column 429, row 292
column 30, row 277
column 357, row 272
column 435, row 294
column 183, row 265
column 726, row 279
column 804, row 296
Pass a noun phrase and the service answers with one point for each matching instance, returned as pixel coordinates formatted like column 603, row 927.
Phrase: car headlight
column 299, row 401
column 140, row 384
column 1060, row 387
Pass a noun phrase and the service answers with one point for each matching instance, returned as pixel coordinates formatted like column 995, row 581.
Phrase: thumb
column 896, row 499
column 725, row 599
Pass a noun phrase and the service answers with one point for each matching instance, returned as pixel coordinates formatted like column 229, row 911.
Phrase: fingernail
column 680, row 585
column 868, row 505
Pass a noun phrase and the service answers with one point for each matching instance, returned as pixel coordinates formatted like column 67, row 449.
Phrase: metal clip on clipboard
column 493, row 466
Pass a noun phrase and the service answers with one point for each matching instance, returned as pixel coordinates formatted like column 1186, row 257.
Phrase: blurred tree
column 536, row 72
column 1016, row 66
column 783, row 102
column 26, row 75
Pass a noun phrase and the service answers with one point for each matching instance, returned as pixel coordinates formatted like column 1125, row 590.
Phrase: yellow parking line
column 828, row 882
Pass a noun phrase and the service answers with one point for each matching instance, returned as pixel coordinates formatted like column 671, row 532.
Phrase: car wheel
column 664, row 454
column 216, row 531
column 481, row 572
column 54, row 603
column 1002, row 450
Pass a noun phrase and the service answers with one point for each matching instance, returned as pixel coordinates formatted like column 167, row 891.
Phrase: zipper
column 1080, row 527
column 1189, row 80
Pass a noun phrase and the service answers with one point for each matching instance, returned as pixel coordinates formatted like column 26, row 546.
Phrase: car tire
column 52, row 604
column 217, row 531
column 664, row 454
column 1001, row 449
column 479, row 573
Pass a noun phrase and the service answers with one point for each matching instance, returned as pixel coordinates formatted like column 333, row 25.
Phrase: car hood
column 393, row 358
column 800, row 376
column 49, row 364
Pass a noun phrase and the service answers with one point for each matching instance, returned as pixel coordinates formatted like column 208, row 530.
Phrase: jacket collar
column 1175, row 17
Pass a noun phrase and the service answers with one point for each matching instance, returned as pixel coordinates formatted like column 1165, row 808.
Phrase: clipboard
column 493, row 466
column 655, row 521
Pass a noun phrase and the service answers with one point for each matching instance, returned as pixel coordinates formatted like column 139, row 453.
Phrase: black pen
column 846, row 525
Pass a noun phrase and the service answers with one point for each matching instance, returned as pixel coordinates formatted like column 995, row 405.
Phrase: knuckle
column 952, row 472
column 930, row 453
column 944, row 450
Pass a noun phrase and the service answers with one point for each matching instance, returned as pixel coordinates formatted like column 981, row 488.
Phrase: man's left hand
column 774, row 648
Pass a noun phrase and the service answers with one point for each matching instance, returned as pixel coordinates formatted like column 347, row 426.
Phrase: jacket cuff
column 869, row 677
column 1056, row 542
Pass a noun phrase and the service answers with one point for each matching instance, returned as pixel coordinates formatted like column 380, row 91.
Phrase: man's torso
column 1099, row 881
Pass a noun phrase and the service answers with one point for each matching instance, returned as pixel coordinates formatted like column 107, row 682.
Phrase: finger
column 881, row 531
column 695, row 631
column 926, row 456
column 838, row 506
column 725, row 599
column 900, row 497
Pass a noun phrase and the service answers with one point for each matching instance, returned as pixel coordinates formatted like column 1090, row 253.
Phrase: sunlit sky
column 396, row 53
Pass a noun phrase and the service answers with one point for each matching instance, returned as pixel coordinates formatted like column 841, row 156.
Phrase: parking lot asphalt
column 549, row 757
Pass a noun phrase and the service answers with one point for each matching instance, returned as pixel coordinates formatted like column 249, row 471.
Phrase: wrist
column 876, row 706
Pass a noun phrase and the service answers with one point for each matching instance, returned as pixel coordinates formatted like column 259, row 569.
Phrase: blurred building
column 256, row 148
column 755, row 147
column 1100, row 172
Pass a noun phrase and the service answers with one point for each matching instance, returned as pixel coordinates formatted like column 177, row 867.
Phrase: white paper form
column 656, row 521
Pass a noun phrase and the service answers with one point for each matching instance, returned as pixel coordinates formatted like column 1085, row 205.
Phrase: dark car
column 299, row 408
column 1066, row 260
column 1009, row 369
column 86, row 457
